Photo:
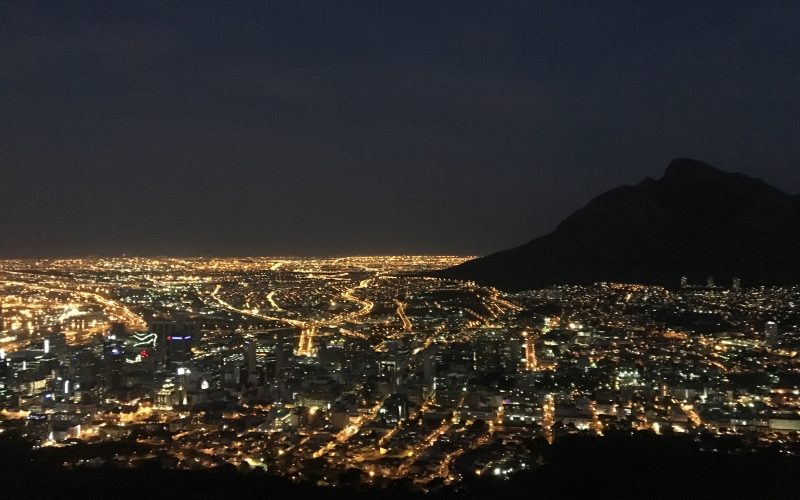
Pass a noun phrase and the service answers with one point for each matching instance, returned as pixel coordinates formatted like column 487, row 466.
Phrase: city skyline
column 365, row 376
column 399, row 250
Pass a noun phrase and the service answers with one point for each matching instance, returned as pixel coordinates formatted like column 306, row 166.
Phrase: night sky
column 318, row 128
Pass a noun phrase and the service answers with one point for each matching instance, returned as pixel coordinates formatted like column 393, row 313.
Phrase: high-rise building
column 164, row 328
column 684, row 282
column 252, row 367
column 174, row 339
column 281, row 359
column 737, row 284
column 710, row 282
column 3, row 365
column 429, row 368
column 87, row 368
column 771, row 333
column 113, row 364
column 395, row 409
column 183, row 384
column 179, row 349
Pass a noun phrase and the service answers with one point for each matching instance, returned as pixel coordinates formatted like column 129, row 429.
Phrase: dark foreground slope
column 615, row 466
column 696, row 221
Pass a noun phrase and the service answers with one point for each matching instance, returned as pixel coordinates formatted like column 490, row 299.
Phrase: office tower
column 179, row 349
column 174, row 339
column 164, row 328
column 737, row 284
column 395, row 409
column 183, row 385
column 113, row 364
column 771, row 333
column 251, row 358
column 88, row 369
column 429, row 367
column 3, row 365
column 281, row 359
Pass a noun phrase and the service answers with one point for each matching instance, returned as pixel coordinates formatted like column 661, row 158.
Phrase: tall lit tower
column 183, row 383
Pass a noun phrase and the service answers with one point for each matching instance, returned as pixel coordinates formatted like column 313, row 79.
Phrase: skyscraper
column 87, row 369
column 429, row 368
column 771, row 333
column 113, row 364
column 174, row 339
column 251, row 358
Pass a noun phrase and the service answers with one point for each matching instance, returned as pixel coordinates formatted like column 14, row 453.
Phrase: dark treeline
column 618, row 465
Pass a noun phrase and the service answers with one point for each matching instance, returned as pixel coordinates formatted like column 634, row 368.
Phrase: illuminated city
column 431, row 250
column 314, row 368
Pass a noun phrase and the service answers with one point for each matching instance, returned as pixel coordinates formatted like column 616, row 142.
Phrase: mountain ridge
column 695, row 221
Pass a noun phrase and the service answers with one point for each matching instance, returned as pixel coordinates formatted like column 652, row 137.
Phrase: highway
column 401, row 312
column 308, row 329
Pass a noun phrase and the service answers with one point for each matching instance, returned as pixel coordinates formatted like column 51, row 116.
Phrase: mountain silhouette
column 696, row 221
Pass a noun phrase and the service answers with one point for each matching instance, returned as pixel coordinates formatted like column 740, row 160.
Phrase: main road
column 307, row 328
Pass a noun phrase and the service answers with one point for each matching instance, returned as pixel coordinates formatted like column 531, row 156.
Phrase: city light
column 365, row 363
